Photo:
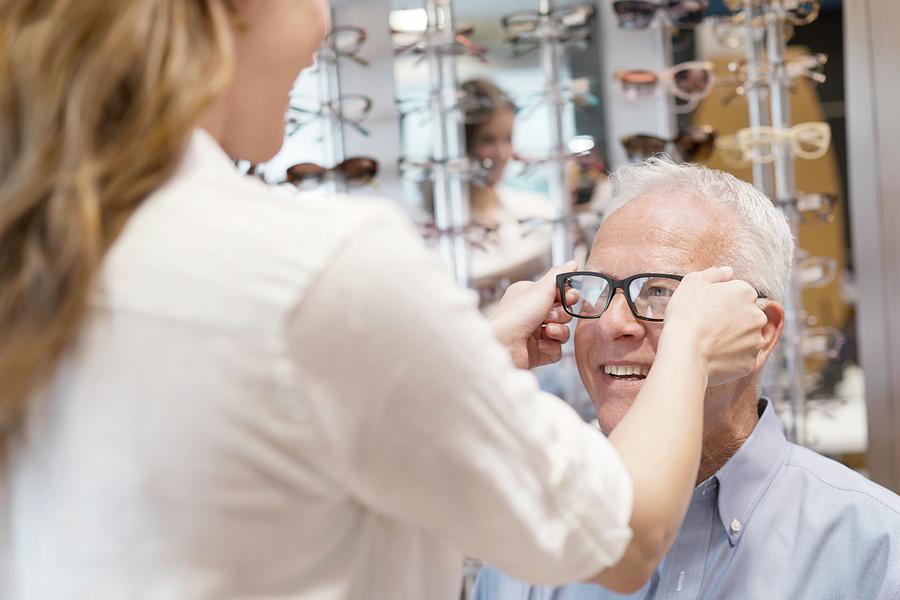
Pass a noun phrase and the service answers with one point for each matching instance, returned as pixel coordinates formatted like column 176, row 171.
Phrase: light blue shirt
column 776, row 522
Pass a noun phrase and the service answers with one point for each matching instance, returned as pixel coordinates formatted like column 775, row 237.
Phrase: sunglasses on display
column 346, row 41
column 357, row 171
column 639, row 14
column 688, row 81
column 465, row 168
column 351, row 109
column 647, row 294
column 477, row 235
column 694, row 143
column 808, row 67
column 757, row 13
column 417, row 42
column 807, row 140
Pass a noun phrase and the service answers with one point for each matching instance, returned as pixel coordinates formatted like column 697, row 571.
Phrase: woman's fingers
column 557, row 315
column 556, row 332
column 549, row 351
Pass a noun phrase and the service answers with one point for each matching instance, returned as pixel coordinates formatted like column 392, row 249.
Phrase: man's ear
column 771, row 331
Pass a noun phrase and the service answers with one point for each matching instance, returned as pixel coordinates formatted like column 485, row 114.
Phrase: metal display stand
column 451, row 194
column 785, row 194
column 329, row 84
column 767, row 79
column 665, row 105
column 551, row 52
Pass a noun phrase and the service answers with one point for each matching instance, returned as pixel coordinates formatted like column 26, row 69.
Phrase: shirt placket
column 682, row 572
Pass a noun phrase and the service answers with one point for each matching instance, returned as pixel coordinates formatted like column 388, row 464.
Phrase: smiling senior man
column 768, row 520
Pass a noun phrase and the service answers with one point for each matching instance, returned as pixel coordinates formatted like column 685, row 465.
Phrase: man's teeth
column 626, row 370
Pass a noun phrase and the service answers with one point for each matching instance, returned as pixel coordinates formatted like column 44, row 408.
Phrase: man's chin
column 612, row 407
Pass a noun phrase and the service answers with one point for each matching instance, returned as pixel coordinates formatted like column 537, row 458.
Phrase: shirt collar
column 745, row 478
column 205, row 153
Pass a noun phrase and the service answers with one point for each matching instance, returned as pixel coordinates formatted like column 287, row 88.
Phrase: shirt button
column 735, row 526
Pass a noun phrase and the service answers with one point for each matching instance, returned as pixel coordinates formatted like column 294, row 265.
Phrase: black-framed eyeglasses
column 647, row 294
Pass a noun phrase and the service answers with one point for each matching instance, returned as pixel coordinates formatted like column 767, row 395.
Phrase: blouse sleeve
column 425, row 420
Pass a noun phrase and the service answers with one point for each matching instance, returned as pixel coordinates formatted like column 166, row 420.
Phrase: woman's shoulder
column 235, row 243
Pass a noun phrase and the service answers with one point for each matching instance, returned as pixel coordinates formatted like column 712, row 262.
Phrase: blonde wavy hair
column 97, row 101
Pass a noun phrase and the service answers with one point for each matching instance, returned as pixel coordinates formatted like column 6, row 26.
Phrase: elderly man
column 768, row 520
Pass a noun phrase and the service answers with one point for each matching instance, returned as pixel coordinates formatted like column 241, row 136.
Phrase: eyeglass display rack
column 551, row 53
column 551, row 35
column 785, row 380
column 451, row 194
column 329, row 91
column 768, row 105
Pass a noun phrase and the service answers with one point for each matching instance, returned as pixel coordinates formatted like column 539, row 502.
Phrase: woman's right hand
column 719, row 318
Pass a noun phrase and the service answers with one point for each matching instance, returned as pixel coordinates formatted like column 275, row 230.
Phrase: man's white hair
column 759, row 244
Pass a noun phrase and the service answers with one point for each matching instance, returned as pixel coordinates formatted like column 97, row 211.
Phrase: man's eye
column 660, row 291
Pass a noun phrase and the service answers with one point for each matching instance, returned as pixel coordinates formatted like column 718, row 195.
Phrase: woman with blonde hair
column 211, row 390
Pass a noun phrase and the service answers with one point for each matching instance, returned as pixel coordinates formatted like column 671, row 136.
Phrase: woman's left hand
column 530, row 321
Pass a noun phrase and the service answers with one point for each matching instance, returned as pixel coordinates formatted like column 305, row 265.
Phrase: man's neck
column 725, row 431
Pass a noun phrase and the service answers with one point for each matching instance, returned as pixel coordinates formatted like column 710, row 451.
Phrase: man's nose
column 618, row 320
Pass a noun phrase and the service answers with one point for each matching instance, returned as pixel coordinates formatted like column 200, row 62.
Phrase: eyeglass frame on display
column 708, row 130
column 327, row 110
column 615, row 285
column 565, row 33
column 735, row 39
column 801, row 201
column 530, row 163
column 556, row 17
column 322, row 173
column 739, row 10
column 807, row 66
column 430, row 230
column 353, row 53
column 465, row 167
column 460, row 39
column 667, row 77
column 777, row 135
column 666, row 10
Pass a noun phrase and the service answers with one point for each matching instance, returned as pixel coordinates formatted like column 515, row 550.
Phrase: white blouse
column 277, row 397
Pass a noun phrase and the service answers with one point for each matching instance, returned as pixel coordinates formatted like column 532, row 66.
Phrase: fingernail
column 727, row 271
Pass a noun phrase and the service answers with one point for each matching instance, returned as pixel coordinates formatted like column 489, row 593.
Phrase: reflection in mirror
column 508, row 118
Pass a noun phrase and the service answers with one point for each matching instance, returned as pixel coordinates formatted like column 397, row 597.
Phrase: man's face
column 651, row 234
